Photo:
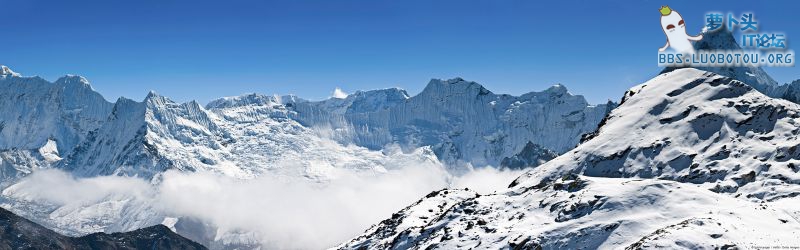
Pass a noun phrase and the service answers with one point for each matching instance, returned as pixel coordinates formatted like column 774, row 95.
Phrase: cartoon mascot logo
column 674, row 27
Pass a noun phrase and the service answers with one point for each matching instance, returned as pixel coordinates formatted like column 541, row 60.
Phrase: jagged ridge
column 688, row 159
column 19, row 233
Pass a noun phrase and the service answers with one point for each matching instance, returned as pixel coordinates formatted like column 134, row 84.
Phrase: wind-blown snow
column 339, row 93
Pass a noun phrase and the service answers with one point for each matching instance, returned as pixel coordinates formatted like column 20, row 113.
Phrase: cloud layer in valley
column 275, row 211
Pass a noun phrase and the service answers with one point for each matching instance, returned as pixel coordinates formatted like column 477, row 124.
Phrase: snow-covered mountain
column 243, row 136
column 40, row 120
column 461, row 120
column 147, row 138
column 68, row 126
column 756, row 77
column 689, row 159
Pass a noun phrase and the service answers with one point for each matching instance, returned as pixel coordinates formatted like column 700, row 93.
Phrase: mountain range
column 455, row 123
column 692, row 158
column 69, row 126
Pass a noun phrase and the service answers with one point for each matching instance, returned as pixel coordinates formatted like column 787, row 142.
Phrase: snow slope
column 756, row 77
column 41, row 121
column 66, row 125
column 689, row 159
column 240, row 137
column 461, row 120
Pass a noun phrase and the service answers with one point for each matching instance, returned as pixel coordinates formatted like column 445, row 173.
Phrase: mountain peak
column 455, row 84
column 680, row 144
column 4, row 70
column 251, row 99
column 151, row 94
column 73, row 80
column 454, row 80
column 393, row 93
column 719, row 39
column 557, row 89
column 756, row 77
column 723, row 113
column 156, row 99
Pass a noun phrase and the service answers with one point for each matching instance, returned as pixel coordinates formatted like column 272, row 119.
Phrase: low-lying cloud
column 276, row 211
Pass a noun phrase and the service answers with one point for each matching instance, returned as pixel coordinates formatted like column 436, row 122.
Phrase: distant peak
column 284, row 99
column 456, row 83
column 73, row 80
column 155, row 98
column 719, row 39
column 558, row 88
column 338, row 93
column 4, row 70
column 72, row 77
column 455, row 80
column 249, row 99
column 123, row 99
column 388, row 92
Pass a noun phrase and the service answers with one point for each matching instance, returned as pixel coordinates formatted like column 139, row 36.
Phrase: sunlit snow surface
column 256, row 170
column 689, row 159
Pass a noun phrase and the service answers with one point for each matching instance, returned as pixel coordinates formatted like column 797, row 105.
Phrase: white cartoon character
column 673, row 26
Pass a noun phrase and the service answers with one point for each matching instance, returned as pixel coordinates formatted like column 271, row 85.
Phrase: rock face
column 41, row 120
column 19, row 233
column 69, row 126
column 35, row 110
column 531, row 155
column 462, row 121
column 667, row 168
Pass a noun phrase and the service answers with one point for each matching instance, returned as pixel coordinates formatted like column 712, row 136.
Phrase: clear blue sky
column 206, row 49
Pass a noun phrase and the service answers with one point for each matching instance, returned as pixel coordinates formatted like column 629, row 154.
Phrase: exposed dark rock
column 19, row 233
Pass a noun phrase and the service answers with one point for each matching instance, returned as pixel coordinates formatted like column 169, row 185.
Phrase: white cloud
column 279, row 212
column 339, row 93
column 60, row 188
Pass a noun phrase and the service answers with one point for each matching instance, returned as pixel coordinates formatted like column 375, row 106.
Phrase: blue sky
column 206, row 49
